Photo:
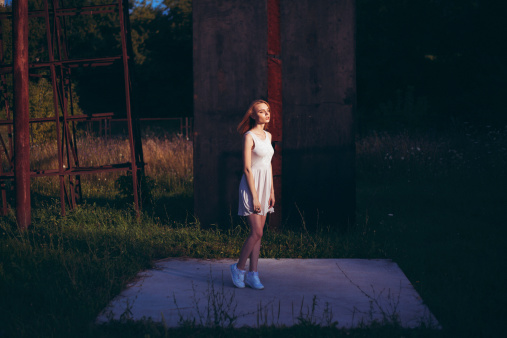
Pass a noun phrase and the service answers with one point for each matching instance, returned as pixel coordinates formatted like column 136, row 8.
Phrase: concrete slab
column 322, row 291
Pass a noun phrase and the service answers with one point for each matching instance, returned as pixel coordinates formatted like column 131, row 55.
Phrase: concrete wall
column 318, row 79
column 318, row 70
column 229, row 72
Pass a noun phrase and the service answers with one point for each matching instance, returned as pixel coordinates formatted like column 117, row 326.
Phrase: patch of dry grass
column 168, row 162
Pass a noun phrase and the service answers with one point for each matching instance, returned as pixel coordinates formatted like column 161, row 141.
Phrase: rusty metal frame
column 60, row 66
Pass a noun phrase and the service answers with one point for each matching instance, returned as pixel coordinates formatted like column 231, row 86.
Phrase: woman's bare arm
column 272, row 195
column 248, row 145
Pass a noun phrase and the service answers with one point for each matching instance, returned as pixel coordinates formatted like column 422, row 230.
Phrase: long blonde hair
column 248, row 122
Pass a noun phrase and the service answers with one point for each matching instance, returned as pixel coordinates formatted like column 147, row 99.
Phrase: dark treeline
column 162, row 44
column 162, row 76
column 431, row 63
column 420, row 63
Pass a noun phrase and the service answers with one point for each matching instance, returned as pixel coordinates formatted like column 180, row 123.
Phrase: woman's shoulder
column 268, row 134
column 247, row 136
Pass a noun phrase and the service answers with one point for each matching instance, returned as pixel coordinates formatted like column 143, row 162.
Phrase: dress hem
column 253, row 213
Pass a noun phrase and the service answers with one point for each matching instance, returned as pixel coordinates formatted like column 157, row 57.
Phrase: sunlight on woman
column 256, row 193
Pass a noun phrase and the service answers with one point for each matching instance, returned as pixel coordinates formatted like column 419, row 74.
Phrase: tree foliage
column 41, row 105
column 445, row 52
column 162, row 76
column 419, row 62
column 162, row 46
column 164, row 80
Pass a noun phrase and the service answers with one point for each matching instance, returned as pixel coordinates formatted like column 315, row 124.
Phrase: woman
column 256, row 193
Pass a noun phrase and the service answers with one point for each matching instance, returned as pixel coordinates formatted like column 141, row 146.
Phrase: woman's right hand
column 256, row 206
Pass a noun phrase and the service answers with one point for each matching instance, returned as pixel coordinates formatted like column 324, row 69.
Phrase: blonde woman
column 256, row 193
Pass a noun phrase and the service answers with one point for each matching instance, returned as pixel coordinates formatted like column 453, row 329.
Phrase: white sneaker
column 238, row 276
column 253, row 281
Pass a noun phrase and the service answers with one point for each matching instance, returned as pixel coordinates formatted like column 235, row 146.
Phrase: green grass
column 447, row 231
column 433, row 204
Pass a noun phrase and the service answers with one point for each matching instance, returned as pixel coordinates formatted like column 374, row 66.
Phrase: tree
column 162, row 44
column 448, row 52
column 164, row 80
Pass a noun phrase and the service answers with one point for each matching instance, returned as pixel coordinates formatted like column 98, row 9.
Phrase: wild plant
column 308, row 317
column 218, row 311
column 390, row 314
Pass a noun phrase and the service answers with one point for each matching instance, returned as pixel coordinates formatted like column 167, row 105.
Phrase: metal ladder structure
column 58, row 69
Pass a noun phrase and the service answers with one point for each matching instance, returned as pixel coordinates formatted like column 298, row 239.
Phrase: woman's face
column 261, row 113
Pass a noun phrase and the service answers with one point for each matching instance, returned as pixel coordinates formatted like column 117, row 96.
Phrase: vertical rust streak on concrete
column 21, row 113
column 275, row 100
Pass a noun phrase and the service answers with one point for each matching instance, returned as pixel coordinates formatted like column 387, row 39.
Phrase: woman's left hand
column 272, row 200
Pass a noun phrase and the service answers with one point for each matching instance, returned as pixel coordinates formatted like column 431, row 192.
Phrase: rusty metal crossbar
column 90, row 10
column 59, row 65
column 95, row 62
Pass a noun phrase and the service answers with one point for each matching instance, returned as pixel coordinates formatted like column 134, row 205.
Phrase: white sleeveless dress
column 261, row 169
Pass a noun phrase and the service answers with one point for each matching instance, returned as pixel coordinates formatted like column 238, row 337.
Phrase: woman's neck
column 258, row 129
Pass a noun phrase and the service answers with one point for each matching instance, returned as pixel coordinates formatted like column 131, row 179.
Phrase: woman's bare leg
column 252, row 245
column 254, row 256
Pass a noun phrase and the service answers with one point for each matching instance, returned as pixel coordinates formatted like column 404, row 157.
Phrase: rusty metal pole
column 64, row 97
column 21, row 112
column 123, row 13
column 3, row 89
column 49, row 39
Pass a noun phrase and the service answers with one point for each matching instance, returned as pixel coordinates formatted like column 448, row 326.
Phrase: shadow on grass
column 151, row 329
column 166, row 208
column 176, row 208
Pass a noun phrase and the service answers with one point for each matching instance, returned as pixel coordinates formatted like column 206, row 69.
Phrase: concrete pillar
column 318, row 88
column 230, row 71
column 319, row 96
